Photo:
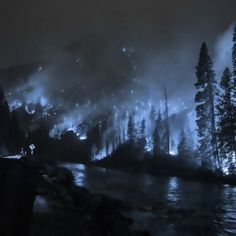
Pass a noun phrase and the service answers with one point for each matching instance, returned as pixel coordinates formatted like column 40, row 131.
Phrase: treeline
column 216, row 112
column 153, row 135
column 11, row 136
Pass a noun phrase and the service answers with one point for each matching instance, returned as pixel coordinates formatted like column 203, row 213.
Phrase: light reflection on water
column 78, row 170
column 166, row 205
column 229, row 214
column 172, row 193
column 40, row 205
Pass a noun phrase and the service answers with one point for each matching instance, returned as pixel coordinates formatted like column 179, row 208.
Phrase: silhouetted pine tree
column 156, row 137
column 16, row 134
column 5, row 142
column 131, row 129
column 227, row 122
column 184, row 149
column 142, row 142
column 205, row 108
column 156, row 141
column 123, row 126
column 234, row 53
column 166, row 136
column 142, row 134
column 234, row 78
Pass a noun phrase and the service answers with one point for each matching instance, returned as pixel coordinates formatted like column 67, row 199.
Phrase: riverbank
column 165, row 205
column 165, row 166
column 61, row 208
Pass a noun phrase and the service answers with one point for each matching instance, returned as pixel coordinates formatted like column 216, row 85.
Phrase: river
column 165, row 205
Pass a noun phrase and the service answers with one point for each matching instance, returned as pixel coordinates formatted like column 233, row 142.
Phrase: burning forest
column 120, row 123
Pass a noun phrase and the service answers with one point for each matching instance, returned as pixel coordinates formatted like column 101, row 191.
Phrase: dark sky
column 33, row 29
column 166, row 34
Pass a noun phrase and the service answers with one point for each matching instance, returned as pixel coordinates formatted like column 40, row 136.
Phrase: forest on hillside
column 147, row 129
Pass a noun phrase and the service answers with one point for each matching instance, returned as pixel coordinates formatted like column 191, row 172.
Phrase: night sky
column 82, row 44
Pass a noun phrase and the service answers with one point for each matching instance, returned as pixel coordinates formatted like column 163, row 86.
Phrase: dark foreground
column 60, row 207
column 17, row 194
column 43, row 199
column 67, row 209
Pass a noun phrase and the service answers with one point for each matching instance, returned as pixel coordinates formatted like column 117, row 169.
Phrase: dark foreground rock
column 17, row 194
column 61, row 208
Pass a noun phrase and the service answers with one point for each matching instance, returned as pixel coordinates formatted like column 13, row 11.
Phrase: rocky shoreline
column 62, row 208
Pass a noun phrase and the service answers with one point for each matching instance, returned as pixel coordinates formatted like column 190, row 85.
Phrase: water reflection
column 40, row 205
column 164, row 205
column 172, row 190
column 78, row 170
column 229, row 211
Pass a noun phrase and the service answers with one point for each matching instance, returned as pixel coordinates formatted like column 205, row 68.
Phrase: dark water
column 166, row 205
